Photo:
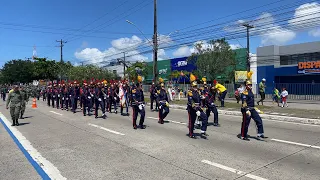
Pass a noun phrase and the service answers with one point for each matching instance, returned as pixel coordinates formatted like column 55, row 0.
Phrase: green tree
column 138, row 66
column 217, row 59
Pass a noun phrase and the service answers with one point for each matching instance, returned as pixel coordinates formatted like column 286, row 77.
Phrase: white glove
column 105, row 98
column 67, row 98
column 53, row 96
column 115, row 98
column 63, row 98
column 198, row 113
column 212, row 104
column 248, row 113
column 99, row 99
column 58, row 95
column 89, row 97
column 141, row 106
column 70, row 95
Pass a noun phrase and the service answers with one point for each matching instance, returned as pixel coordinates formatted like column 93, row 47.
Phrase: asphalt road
column 87, row 148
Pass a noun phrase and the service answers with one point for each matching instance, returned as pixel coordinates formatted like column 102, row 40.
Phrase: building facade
column 292, row 64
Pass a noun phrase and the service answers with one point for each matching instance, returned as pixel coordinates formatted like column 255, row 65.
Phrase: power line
column 61, row 46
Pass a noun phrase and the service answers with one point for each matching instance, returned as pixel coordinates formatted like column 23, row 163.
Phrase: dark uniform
column 211, row 107
column 164, row 105
column 138, row 105
column 99, row 95
column 195, row 110
column 85, row 98
column 113, row 98
column 153, row 97
column 249, row 111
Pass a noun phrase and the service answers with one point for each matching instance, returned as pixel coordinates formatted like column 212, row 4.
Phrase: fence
column 308, row 91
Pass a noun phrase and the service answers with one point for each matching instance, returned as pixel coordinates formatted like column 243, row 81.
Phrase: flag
column 122, row 95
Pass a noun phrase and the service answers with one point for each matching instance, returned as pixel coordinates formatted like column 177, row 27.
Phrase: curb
column 266, row 116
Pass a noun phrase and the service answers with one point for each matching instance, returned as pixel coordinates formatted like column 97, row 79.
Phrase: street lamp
column 139, row 30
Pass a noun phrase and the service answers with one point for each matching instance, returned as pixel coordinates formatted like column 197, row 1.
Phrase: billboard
column 310, row 67
column 164, row 70
column 240, row 76
column 183, row 64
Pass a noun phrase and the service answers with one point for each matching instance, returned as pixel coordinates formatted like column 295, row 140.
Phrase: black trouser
column 263, row 97
column 214, row 110
column 113, row 102
column 135, row 112
column 58, row 101
column 48, row 100
column 97, row 104
column 153, row 99
column 43, row 97
column 163, row 112
column 67, row 101
column 246, row 121
column 4, row 96
column 192, row 119
column 222, row 97
column 53, row 99
column 86, row 105
column 75, row 103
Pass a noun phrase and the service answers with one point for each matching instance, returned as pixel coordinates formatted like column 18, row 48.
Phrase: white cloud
column 315, row 32
column 265, row 26
column 307, row 16
column 95, row 56
column 271, row 33
column 124, row 43
column 235, row 46
column 182, row 52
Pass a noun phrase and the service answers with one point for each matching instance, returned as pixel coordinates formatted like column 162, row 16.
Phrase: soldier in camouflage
column 24, row 101
column 14, row 99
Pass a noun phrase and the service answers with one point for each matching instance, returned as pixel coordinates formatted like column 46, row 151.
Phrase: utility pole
column 155, row 44
column 124, row 65
column 248, row 45
column 61, row 46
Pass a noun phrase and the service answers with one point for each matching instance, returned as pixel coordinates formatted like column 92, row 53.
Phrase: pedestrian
column 262, row 91
column 222, row 91
column 4, row 93
column 249, row 111
column 284, row 95
column 276, row 95
column 14, row 99
column 24, row 101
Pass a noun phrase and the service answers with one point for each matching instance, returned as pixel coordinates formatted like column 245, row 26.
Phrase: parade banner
column 240, row 76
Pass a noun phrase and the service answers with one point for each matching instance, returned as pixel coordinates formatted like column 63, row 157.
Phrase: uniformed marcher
column 249, row 111
column 138, row 105
column 195, row 109
column 153, row 96
column 85, row 98
column 163, row 102
column 14, row 99
column 209, row 103
column 99, row 95
column 24, row 101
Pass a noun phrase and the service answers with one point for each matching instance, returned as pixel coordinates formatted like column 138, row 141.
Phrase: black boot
column 21, row 116
column 17, row 123
column 13, row 123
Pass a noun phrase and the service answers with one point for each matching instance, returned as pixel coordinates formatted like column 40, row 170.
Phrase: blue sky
column 24, row 24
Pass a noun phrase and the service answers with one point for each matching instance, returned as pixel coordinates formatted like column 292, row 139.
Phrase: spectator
column 284, row 95
column 262, row 90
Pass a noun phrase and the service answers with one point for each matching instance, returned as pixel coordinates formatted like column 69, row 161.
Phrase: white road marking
column 176, row 122
column 295, row 143
column 46, row 165
column 109, row 130
column 232, row 170
column 56, row 113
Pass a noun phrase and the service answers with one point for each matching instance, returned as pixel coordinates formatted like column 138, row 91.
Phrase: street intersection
column 71, row 146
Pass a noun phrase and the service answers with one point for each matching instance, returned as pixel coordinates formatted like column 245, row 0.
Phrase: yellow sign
column 240, row 76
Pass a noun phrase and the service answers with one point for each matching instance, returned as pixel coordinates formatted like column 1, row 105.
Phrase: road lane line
column 241, row 173
column 176, row 122
column 314, row 125
column 103, row 128
column 295, row 143
column 43, row 167
column 56, row 113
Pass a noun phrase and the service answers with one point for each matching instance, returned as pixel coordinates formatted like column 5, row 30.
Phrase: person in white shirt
column 284, row 94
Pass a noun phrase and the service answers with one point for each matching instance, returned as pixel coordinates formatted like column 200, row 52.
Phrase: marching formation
column 107, row 96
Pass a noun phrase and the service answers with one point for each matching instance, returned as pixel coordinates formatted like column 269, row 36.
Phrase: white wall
column 253, row 68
